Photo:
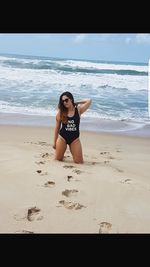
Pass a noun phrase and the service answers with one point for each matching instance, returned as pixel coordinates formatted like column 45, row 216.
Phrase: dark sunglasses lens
column 65, row 100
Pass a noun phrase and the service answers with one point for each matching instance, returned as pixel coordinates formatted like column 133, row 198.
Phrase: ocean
column 30, row 87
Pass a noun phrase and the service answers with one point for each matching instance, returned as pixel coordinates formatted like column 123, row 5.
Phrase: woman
column 68, row 118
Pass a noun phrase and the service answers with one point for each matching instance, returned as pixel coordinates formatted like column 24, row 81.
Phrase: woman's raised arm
column 83, row 105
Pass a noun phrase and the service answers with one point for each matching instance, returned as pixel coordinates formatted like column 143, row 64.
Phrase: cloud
column 143, row 38
column 80, row 38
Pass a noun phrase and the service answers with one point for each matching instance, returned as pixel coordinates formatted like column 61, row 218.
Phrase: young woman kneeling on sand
column 67, row 126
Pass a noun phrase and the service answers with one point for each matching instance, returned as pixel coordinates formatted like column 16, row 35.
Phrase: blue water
column 32, row 85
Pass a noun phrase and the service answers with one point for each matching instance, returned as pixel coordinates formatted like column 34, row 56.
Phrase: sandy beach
column 109, row 193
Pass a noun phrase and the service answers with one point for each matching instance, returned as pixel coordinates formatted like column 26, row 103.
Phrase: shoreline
column 108, row 193
column 120, row 127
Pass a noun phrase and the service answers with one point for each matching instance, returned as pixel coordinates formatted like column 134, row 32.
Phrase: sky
column 110, row 47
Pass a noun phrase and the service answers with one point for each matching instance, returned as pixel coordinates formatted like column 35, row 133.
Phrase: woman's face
column 66, row 101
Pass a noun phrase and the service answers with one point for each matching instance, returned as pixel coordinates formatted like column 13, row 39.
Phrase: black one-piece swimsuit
column 70, row 131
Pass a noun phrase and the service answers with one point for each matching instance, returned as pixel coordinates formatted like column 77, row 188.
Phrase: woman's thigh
column 60, row 148
column 76, row 151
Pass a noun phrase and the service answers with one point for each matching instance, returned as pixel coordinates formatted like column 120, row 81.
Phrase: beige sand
column 109, row 193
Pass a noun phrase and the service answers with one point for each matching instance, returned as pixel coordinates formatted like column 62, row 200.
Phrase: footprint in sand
column 119, row 170
column 42, row 173
column 105, row 227
column 49, row 184
column 70, row 177
column 77, row 171
column 106, row 161
column 104, row 153
column 42, row 143
column 71, row 205
column 116, row 168
column 89, row 163
column 126, row 181
column 40, row 162
column 32, row 143
column 30, row 214
column 46, row 155
column 68, row 166
column 110, row 157
column 69, row 193
column 39, row 171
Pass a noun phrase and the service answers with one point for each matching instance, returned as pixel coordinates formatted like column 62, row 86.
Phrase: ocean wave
column 32, row 86
column 73, row 66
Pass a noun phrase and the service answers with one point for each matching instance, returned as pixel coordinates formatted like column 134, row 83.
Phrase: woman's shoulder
column 58, row 116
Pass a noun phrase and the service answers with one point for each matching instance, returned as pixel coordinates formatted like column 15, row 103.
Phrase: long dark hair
column 62, row 108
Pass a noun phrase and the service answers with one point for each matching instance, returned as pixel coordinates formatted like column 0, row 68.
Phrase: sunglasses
column 65, row 100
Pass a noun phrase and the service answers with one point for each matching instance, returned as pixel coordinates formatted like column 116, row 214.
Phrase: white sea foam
column 88, row 64
column 77, row 63
column 75, row 80
column 7, row 108
column 35, row 91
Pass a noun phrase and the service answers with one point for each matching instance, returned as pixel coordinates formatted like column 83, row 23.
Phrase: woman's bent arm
column 84, row 104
